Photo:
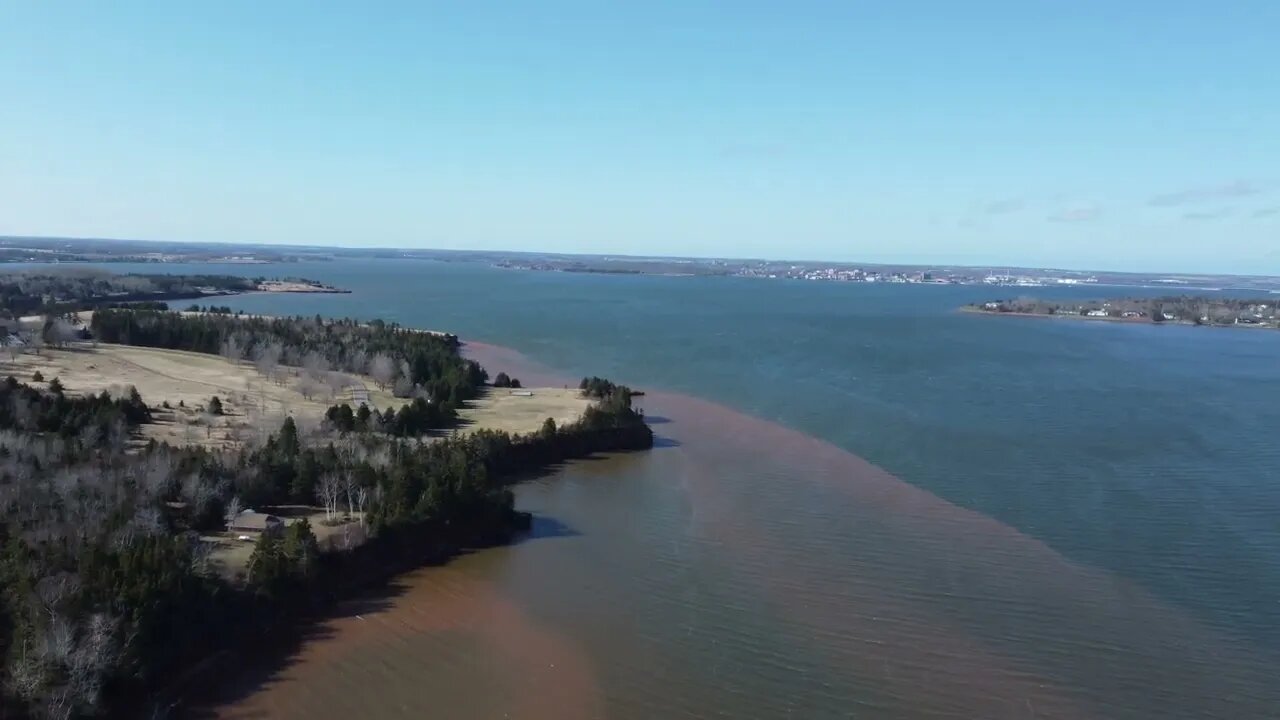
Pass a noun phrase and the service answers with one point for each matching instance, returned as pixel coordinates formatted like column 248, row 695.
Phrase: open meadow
column 179, row 385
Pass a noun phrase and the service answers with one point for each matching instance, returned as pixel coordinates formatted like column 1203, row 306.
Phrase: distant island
column 1185, row 310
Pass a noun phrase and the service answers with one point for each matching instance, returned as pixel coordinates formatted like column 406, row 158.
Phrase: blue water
column 1151, row 453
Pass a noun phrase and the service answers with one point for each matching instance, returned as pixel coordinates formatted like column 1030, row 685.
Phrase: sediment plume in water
column 745, row 570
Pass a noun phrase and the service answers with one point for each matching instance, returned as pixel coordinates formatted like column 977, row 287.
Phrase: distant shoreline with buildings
column 49, row 250
column 1181, row 310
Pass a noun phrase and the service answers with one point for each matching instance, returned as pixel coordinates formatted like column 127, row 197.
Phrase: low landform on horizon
column 1184, row 310
column 59, row 290
column 88, row 250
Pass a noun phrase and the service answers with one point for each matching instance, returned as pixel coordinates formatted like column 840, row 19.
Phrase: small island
column 179, row 488
column 1184, row 310
column 294, row 285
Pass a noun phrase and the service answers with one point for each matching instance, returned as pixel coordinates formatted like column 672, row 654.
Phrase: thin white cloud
column 1078, row 213
column 1267, row 211
column 1003, row 207
column 1217, row 214
column 1235, row 189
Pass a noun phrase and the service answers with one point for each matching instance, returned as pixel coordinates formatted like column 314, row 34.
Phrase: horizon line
column 624, row 255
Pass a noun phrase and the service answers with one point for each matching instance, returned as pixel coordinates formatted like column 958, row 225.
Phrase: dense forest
column 1189, row 309
column 106, row 584
column 410, row 362
column 100, row 418
column 597, row 387
column 56, row 292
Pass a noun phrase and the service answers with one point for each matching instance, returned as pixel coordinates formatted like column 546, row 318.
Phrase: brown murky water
column 743, row 570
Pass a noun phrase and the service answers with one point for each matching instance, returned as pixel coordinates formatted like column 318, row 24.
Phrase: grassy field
column 254, row 404
column 514, row 412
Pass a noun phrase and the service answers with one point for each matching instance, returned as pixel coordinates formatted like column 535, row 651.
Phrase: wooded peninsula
column 1183, row 309
column 52, row 292
column 140, row 535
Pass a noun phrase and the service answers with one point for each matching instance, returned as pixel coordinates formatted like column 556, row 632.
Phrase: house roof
column 250, row 520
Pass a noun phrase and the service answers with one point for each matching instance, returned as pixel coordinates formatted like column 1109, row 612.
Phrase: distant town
column 82, row 250
column 870, row 273
column 940, row 277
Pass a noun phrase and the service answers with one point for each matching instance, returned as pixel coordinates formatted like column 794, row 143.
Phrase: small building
column 250, row 521
column 1096, row 313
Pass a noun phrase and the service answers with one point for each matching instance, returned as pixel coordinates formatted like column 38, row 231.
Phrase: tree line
column 411, row 363
column 106, row 586
column 55, row 292
column 1193, row 309
column 412, row 419
column 597, row 387
column 99, row 417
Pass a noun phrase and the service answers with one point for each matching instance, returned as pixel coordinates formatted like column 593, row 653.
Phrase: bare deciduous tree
column 358, row 363
column 27, row 673
column 346, row 541
column 307, row 386
column 362, row 498
column 196, row 491
column 327, row 491
column 268, row 359
column 337, row 383
column 315, row 364
column 349, row 488
column 55, row 590
column 383, row 370
column 233, row 349
column 201, row 555
column 233, row 510
column 35, row 341
column 58, row 332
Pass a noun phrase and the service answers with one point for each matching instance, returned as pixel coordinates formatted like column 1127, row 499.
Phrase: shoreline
column 980, row 671
column 373, row 569
column 1066, row 317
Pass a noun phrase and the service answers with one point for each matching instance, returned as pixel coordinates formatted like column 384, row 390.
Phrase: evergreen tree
column 301, row 549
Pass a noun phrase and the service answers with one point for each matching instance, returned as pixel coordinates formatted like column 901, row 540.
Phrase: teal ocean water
column 864, row 504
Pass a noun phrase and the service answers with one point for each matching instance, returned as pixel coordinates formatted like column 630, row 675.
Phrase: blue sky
column 1129, row 134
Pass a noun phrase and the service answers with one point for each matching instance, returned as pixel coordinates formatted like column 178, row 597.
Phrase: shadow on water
column 239, row 673
column 656, row 420
column 542, row 527
column 665, row 442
